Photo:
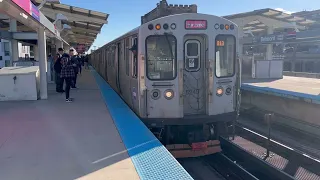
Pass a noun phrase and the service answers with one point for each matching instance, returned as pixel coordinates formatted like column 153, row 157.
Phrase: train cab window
column 161, row 57
column 225, row 46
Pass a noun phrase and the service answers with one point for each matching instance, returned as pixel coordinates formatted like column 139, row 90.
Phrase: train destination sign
column 196, row 24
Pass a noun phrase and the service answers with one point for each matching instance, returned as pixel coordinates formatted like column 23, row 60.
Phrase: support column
column 269, row 46
column 14, row 43
column 36, row 52
column 42, row 63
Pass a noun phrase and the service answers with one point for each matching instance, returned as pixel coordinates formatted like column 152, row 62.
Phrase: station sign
column 196, row 24
column 274, row 38
column 29, row 7
column 269, row 39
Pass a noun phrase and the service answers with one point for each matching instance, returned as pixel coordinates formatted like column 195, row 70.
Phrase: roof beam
column 71, row 16
column 83, row 36
column 82, row 29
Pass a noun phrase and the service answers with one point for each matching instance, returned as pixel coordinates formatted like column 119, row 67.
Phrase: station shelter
column 31, row 31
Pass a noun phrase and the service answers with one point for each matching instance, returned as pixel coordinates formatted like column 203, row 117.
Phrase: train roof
column 135, row 30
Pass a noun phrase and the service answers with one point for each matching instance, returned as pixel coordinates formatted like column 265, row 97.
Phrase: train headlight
column 168, row 94
column 228, row 90
column 165, row 26
column 231, row 26
column 219, row 91
column 158, row 27
column 173, row 26
column 227, row 26
column 155, row 94
column 150, row 26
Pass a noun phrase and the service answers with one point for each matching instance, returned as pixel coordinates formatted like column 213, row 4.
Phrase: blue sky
column 126, row 14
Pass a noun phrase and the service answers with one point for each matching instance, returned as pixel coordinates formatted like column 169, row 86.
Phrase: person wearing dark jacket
column 57, row 69
column 67, row 73
column 74, row 60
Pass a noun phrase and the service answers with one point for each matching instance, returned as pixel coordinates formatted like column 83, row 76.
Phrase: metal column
column 13, row 42
column 269, row 46
column 42, row 63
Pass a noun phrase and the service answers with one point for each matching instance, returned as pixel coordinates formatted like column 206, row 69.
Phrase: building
column 25, row 52
column 163, row 9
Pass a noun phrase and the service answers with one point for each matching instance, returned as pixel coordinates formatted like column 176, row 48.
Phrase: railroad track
column 293, row 163
column 246, row 158
column 215, row 167
column 305, row 143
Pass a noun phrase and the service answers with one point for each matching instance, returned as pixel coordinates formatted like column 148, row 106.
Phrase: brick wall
column 163, row 9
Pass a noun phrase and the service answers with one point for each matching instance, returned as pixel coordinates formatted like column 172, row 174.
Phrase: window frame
column 185, row 55
column 127, row 55
column 234, row 54
column 134, row 64
column 6, row 52
column 174, row 63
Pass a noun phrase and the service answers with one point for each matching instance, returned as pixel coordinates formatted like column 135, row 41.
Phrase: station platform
column 294, row 100
column 307, row 89
column 95, row 137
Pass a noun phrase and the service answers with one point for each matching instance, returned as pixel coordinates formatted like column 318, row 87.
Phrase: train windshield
column 161, row 57
column 225, row 55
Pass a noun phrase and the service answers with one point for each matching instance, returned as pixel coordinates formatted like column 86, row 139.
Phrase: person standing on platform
column 86, row 61
column 80, row 63
column 74, row 61
column 57, row 70
column 67, row 73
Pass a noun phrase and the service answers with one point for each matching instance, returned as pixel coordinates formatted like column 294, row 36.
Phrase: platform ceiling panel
column 85, row 24
column 256, row 25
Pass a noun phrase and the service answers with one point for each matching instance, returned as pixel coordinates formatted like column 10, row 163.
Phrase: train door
column 194, row 86
column 118, row 66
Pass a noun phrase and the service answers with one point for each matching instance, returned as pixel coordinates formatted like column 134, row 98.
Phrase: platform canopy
column 258, row 21
column 85, row 24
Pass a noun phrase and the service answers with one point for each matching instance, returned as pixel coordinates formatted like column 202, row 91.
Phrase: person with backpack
column 57, row 69
column 67, row 74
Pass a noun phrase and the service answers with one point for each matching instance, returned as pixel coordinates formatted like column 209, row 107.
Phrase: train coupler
column 195, row 149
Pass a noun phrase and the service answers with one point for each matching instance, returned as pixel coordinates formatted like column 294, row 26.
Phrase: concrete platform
column 95, row 137
column 52, row 139
column 295, row 100
column 307, row 89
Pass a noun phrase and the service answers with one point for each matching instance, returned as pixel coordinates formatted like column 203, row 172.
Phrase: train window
column 161, row 57
column 126, row 55
column 107, row 56
column 225, row 55
column 192, row 55
column 113, row 55
column 134, row 57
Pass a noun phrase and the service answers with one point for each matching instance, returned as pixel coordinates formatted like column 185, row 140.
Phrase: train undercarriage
column 193, row 140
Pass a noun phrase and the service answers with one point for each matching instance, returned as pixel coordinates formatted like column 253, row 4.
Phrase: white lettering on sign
column 267, row 39
column 196, row 24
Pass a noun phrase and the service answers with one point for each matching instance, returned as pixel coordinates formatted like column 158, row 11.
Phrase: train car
column 180, row 75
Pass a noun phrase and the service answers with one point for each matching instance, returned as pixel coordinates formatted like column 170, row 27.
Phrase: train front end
column 188, row 81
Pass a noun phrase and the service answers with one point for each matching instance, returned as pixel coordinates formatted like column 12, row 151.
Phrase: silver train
column 180, row 74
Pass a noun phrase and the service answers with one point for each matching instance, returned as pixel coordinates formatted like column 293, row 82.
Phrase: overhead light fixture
column 60, row 16
column 49, row 1
column 66, row 26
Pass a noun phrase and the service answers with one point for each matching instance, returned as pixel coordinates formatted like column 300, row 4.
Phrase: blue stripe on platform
column 283, row 93
column 150, row 158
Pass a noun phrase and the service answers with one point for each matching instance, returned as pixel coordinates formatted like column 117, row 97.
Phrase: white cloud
column 281, row 9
